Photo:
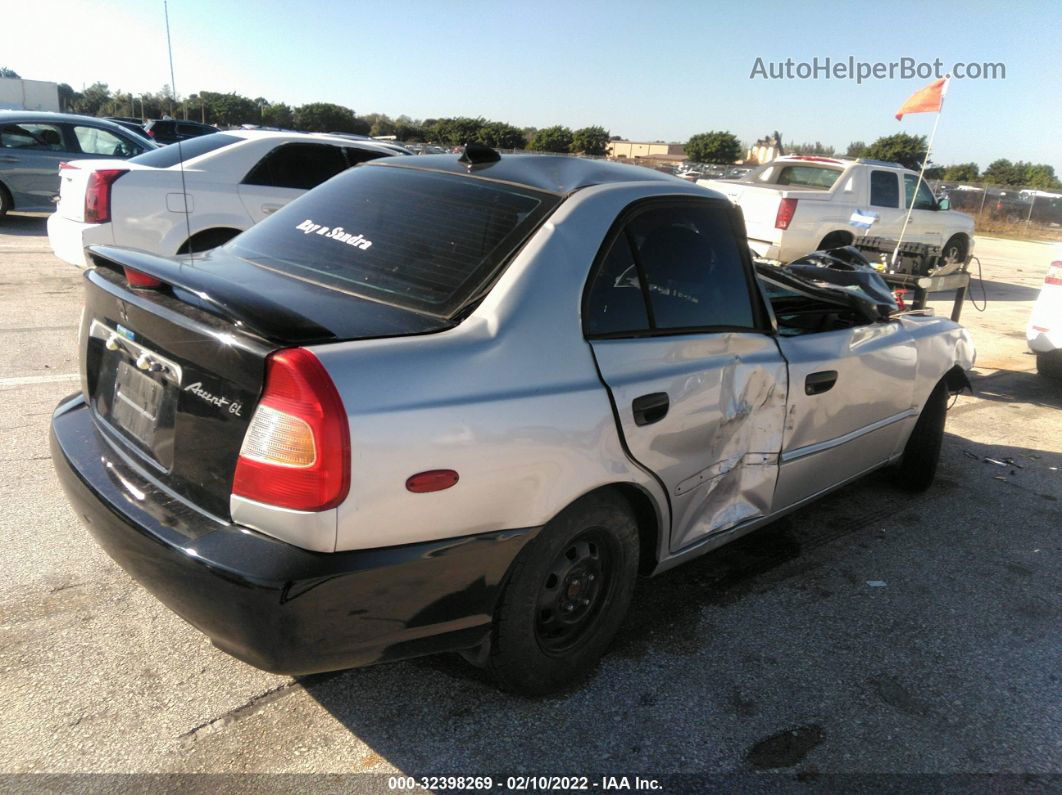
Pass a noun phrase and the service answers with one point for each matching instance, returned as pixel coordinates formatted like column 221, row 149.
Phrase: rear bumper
column 69, row 238
column 270, row 604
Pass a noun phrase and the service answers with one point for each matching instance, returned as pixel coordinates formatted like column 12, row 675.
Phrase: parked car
column 395, row 148
column 802, row 203
column 1044, row 332
column 169, row 131
column 231, row 180
column 34, row 143
column 459, row 404
column 132, row 125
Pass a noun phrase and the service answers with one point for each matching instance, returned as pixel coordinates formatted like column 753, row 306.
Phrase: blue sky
column 644, row 70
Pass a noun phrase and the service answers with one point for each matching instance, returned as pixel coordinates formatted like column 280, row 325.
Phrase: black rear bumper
column 273, row 605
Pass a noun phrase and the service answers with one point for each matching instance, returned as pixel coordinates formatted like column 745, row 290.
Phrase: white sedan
column 228, row 182
column 1044, row 332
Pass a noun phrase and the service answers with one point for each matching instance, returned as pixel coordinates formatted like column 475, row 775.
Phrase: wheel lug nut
column 586, row 602
column 591, row 578
column 569, row 607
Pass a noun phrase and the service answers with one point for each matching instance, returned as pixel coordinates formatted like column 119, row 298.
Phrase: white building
column 18, row 94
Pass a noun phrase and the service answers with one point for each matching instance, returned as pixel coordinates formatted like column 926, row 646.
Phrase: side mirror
column 944, row 203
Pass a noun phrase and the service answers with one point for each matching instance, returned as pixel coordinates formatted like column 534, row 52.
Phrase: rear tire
column 1049, row 364
column 918, row 465
column 567, row 595
column 5, row 201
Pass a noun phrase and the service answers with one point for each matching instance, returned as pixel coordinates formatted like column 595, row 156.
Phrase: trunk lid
column 173, row 374
column 73, row 180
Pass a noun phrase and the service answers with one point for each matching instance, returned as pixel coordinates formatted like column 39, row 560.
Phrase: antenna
column 180, row 152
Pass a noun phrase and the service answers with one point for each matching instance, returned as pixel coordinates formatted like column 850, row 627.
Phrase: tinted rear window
column 171, row 155
column 415, row 239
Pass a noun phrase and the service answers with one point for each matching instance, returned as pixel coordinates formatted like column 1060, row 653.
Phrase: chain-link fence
column 1003, row 210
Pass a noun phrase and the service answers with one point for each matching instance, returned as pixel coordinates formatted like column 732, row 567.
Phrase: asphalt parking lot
column 775, row 653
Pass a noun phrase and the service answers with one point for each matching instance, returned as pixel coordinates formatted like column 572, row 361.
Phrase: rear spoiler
column 229, row 300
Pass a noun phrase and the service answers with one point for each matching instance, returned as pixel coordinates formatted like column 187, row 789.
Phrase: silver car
column 33, row 144
column 445, row 403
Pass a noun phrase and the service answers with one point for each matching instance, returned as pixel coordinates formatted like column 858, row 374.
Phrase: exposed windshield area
column 194, row 147
column 416, row 239
column 813, row 177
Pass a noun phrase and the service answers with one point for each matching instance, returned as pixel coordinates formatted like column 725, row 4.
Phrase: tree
column 1003, row 172
column 590, row 141
column 93, row 99
column 1041, row 176
column 856, row 149
column 8, row 72
column 907, row 150
column 501, row 136
column 456, row 131
column 817, row 148
column 327, row 117
column 713, row 147
column 67, row 98
column 551, row 139
column 277, row 114
column 962, row 172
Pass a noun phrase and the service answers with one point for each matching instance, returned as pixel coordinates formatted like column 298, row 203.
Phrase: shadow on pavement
column 779, row 635
column 24, row 225
column 1016, row 386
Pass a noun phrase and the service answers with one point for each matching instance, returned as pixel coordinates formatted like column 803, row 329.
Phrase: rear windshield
column 416, row 239
column 820, row 177
column 171, row 155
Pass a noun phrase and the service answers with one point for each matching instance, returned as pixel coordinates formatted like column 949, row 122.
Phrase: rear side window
column 171, row 155
column 884, row 189
column 616, row 301
column 27, row 135
column 424, row 241
column 299, row 166
column 355, row 155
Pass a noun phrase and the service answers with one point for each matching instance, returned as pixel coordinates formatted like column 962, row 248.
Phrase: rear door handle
column 817, row 383
column 650, row 408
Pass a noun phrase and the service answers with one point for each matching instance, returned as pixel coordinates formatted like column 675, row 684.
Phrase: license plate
column 136, row 402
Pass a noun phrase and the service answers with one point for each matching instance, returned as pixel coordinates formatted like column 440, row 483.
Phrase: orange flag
column 925, row 100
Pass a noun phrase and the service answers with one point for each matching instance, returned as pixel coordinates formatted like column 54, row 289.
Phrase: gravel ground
column 773, row 654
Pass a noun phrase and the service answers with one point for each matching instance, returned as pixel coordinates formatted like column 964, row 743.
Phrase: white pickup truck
column 798, row 204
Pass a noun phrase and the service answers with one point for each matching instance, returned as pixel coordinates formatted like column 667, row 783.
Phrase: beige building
column 765, row 150
column 633, row 150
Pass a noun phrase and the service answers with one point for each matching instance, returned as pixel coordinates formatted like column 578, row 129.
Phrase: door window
column 925, row 200
column 48, row 137
column 300, row 166
column 692, row 268
column 884, row 189
column 95, row 141
column 688, row 262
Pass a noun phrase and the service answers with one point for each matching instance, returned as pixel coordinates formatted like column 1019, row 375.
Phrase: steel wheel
column 573, row 592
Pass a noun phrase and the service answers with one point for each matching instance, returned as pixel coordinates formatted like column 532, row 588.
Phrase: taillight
column 150, row 133
column 786, row 210
column 296, row 452
column 137, row 279
column 98, row 194
column 1054, row 274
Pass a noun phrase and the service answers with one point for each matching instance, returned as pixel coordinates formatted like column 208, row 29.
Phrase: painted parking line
column 25, row 380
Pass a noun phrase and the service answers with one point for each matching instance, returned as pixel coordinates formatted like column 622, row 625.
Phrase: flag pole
column 921, row 175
